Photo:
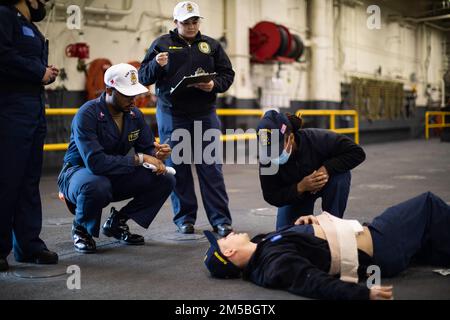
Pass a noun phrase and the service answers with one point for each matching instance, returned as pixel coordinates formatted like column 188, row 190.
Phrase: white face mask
column 282, row 159
column 285, row 155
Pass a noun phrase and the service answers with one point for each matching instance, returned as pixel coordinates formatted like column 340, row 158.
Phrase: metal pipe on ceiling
column 435, row 18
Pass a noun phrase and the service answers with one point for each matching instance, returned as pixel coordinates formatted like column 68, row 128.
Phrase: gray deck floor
column 171, row 267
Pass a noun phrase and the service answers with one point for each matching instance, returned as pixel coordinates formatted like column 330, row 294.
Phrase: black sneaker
column 4, row 266
column 82, row 240
column 116, row 226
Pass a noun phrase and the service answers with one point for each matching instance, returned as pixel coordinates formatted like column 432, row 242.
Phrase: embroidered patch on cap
column 264, row 136
column 133, row 78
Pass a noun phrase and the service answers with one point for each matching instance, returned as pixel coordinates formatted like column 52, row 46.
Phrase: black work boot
column 223, row 229
column 4, row 266
column 82, row 240
column 186, row 228
column 41, row 257
column 116, row 226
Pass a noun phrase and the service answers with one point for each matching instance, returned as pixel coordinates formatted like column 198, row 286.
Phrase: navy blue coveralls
column 293, row 259
column 23, row 62
column 316, row 148
column 99, row 169
column 182, row 111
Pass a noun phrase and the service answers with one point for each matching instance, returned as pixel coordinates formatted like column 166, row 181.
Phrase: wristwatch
column 141, row 158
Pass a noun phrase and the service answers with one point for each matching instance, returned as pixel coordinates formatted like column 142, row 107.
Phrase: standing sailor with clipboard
column 185, row 52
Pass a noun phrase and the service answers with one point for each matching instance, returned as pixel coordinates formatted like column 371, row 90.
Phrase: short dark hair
column 296, row 121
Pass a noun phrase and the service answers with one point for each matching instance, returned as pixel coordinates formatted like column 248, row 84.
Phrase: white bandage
column 141, row 158
column 341, row 237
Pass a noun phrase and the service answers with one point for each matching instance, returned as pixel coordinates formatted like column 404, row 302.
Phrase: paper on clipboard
column 189, row 81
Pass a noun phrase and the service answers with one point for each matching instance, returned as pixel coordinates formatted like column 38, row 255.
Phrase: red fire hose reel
column 274, row 42
column 78, row 50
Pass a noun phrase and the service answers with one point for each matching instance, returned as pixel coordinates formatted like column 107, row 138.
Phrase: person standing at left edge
column 23, row 74
column 184, row 52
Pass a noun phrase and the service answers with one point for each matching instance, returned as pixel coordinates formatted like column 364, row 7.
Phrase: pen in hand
column 163, row 148
column 162, row 58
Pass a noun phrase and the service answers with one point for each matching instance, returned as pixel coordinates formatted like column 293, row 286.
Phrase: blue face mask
column 282, row 159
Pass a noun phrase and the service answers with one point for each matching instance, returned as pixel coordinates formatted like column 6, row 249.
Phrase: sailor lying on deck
column 324, row 257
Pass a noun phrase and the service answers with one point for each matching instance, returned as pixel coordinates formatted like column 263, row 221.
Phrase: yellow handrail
column 152, row 111
column 224, row 137
column 229, row 112
column 56, row 147
column 332, row 114
column 429, row 126
column 61, row 112
column 220, row 112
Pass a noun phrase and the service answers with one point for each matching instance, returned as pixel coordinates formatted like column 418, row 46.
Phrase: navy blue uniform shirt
column 316, row 148
column 97, row 144
column 184, row 60
column 23, row 52
column 293, row 259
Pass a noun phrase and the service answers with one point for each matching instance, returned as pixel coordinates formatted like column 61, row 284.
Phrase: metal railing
column 429, row 125
column 332, row 114
column 229, row 112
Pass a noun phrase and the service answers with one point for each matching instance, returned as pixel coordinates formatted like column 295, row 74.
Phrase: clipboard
column 189, row 81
